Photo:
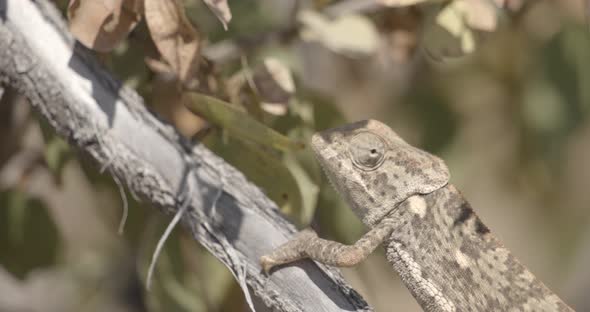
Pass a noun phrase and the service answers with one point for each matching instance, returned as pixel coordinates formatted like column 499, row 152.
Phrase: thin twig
column 123, row 195
column 164, row 237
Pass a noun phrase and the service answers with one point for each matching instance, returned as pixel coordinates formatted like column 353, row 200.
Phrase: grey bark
column 94, row 112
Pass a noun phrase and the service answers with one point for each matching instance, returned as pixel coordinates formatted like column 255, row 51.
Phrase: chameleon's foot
column 267, row 263
column 288, row 252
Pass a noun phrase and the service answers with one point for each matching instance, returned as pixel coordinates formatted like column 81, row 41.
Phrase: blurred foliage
column 496, row 88
column 27, row 232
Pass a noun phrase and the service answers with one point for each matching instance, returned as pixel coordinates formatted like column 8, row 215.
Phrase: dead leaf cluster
column 454, row 27
column 102, row 24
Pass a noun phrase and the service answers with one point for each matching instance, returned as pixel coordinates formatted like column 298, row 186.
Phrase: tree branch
column 95, row 112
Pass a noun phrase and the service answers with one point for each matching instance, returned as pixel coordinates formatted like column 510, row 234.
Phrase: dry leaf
column 175, row 37
column 481, row 14
column 510, row 5
column 400, row 3
column 169, row 102
column 453, row 19
column 101, row 24
column 158, row 66
column 221, row 9
column 353, row 35
column 447, row 35
column 275, row 85
column 455, row 31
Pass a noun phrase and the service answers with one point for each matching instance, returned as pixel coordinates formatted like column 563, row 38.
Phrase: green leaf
column 28, row 235
column 56, row 153
column 263, row 167
column 17, row 214
column 238, row 123
column 308, row 190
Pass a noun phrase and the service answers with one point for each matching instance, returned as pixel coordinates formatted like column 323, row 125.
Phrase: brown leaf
column 170, row 103
column 101, row 24
column 175, row 37
column 457, row 26
column 481, row 15
column 221, row 9
column 275, row 86
column 353, row 35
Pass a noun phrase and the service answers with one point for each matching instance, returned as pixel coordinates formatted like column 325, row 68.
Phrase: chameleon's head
column 374, row 169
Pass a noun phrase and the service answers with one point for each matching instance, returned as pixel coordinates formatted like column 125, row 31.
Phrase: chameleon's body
column 444, row 254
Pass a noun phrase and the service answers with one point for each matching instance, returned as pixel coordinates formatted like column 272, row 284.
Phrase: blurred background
column 501, row 100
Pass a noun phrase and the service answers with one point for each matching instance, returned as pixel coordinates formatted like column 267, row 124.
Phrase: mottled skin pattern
column 451, row 262
column 444, row 254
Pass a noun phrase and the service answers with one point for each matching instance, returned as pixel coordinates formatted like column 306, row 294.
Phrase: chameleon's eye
column 367, row 150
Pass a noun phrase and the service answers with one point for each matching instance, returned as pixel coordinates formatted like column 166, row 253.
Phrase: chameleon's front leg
column 306, row 244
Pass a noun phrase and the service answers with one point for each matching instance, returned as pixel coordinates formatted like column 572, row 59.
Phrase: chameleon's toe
column 267, row 263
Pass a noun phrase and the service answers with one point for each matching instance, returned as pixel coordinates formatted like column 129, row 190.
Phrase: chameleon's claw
column 267, row 263
column 288, row 252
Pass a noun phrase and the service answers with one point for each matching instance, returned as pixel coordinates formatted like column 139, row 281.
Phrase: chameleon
column 444, row 254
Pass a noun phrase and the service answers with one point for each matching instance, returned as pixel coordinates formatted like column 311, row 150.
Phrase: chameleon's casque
column 369, row 158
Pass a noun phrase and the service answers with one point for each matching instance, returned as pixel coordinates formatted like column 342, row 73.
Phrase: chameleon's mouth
column 321, row 151
column 322, row 147
column 317, row 143
column 336, row 176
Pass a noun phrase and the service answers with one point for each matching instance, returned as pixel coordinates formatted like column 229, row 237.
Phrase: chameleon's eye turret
column 375, row 169
column 367, row 150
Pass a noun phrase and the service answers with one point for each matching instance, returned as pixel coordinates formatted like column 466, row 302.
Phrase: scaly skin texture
column 444, row 254
column 451, row 262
